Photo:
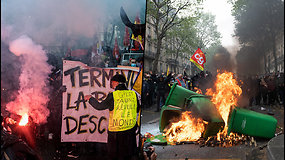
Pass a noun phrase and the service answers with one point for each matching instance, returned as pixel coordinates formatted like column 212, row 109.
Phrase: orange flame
column 10, row 121
column 24, row 120
column 188, row 128
column 225, row 95
column 199, row 91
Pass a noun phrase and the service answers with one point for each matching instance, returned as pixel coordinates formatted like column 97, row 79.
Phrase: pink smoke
column 33, row 92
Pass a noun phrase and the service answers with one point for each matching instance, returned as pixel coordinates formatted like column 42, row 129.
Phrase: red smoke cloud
column 33, row 93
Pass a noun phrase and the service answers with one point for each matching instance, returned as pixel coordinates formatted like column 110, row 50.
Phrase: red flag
column 116, row 53
column 126, row 37
column 198, row 58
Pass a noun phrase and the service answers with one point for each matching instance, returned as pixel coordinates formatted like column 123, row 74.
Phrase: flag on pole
column 138, row 40
column 137, row 87
column 167, row 71
column 116, row 53
column 138, row 82
column 198, row 58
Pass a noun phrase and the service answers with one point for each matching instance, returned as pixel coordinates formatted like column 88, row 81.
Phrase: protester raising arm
column 105, row 104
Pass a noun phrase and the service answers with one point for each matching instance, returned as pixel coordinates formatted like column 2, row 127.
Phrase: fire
column 225, row 95
column 199, row 91
column 24, row 120
column 188, row 128
column 10, row 121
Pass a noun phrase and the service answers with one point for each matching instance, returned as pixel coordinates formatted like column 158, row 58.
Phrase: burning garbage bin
column 252, row 123
column 167, row 113
column 181, row 99
column 178, row 95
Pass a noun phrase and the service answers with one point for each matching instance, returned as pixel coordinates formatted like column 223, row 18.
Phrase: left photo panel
column 71, row 79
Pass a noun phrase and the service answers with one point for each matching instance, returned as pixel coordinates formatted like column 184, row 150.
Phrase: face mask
column 133, row 65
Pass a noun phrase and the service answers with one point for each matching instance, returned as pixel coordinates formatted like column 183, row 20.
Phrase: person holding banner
column 123, row 107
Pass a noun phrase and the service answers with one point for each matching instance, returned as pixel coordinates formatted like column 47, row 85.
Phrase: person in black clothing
column 121, row 137
column 264, row 90
column 280, row 85
column 151, row 96
column 145, row 93
column 162, row 88
column 271, row 89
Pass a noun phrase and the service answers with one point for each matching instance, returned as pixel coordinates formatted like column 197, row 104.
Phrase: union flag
column 198, row 58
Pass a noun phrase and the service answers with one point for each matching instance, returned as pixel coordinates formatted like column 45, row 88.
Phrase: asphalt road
column 150, row 123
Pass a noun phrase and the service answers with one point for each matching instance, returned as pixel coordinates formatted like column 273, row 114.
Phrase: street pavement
column 271, row 149
column 275, row 148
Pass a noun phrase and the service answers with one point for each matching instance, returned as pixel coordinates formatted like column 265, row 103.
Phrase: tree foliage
column 258, row 23
column 162, row 16
column 207, row 33
column 193, row 32
column 182, row 38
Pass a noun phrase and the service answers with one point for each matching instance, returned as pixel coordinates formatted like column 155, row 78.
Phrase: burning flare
column 24, row 120
column 188, row 128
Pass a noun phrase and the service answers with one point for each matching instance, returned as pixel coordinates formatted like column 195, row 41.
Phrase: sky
column 224, row 20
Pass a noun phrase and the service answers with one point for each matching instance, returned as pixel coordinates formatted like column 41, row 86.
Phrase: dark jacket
column 108, row 103
column 14, row 148
column 121, row 144
column 162, row 84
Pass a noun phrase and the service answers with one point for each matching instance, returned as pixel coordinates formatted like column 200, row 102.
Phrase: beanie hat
column 119, row 78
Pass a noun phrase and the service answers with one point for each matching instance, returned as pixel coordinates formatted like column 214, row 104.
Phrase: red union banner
column 198, row 59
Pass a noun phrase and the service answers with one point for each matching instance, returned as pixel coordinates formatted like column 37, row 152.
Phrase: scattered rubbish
column 222, row 141
column 279, row 133
column 157, row 140
column 263, row 146
column 148, row 135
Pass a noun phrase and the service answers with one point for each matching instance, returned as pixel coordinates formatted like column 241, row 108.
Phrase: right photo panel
column 213, row 82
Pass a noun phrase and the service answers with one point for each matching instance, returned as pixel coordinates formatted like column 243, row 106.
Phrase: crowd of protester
column 257, row 90
column 156, row 87
column 264, row 90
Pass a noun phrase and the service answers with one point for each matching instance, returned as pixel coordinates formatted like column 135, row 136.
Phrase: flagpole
column 137, row 76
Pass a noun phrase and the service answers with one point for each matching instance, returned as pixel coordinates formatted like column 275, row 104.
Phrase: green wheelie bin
column 251, row 123
column 181, row 99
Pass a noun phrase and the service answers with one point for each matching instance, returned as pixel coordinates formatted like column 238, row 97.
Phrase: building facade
column 268, row 63
column 166, row 60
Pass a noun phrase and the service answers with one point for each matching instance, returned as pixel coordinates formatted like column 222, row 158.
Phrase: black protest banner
column 80, row 121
